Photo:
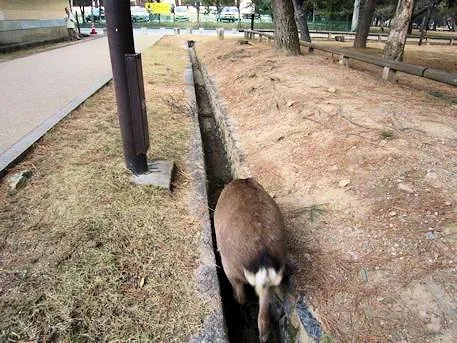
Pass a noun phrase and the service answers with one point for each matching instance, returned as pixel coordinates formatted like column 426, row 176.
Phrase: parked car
column 181, row 13
column 229, row 13
column 139, row 14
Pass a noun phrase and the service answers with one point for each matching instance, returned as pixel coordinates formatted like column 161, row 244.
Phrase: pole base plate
column 159, row 174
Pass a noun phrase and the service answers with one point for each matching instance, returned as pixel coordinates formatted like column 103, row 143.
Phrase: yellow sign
column 159, row 7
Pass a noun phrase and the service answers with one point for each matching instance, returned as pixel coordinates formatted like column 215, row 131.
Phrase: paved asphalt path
column 37, row 86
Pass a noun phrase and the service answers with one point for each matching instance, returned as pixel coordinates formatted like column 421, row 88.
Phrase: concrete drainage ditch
column 241, row 321
column 223, row 160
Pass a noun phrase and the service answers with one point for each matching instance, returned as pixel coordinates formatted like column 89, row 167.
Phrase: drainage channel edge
column 214, row 327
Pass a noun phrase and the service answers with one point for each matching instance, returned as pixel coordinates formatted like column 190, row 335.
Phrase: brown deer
column 251, row 239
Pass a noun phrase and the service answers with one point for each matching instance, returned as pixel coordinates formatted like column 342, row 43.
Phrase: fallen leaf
column 141, row 284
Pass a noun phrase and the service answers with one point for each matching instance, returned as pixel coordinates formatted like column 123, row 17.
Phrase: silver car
column 229, row 13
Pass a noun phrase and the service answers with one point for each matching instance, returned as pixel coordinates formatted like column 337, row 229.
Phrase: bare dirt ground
column 87, row 256
column 365, row 172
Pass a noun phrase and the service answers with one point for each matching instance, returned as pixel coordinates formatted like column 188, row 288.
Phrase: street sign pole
column 132, row 113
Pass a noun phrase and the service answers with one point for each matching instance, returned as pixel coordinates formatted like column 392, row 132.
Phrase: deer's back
column 249, row 228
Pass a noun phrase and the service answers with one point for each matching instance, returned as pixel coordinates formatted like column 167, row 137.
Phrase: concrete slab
column 160, row 174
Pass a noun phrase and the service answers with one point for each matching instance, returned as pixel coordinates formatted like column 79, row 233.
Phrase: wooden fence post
column 344, row 60
column 389, row 74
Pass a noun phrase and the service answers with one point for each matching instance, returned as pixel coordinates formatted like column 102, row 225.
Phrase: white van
column 181, row 13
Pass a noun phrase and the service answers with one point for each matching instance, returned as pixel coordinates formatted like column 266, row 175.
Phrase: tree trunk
column 83, row 13
column 300, row 17
column 397, row 36
column 451, row 24
column 198, row 15
column 239, row 17
column 410, row 26
column 361, row 35
column 426, row 21
column 424, row 26
column 285, row 28
column 355, row 15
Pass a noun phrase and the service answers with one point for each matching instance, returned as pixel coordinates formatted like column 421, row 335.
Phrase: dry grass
column 84, row 254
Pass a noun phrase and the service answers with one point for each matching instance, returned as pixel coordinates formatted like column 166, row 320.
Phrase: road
column 36, row 87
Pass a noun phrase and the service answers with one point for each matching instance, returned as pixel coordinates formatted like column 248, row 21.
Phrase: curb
column 214, row 327
column 225, row 127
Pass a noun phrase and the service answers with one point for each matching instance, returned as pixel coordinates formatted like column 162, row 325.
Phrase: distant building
column 24, row 21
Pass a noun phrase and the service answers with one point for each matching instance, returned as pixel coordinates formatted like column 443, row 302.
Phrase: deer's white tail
column 264, row 278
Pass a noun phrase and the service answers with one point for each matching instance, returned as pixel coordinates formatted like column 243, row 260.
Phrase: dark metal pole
column 120, row 39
